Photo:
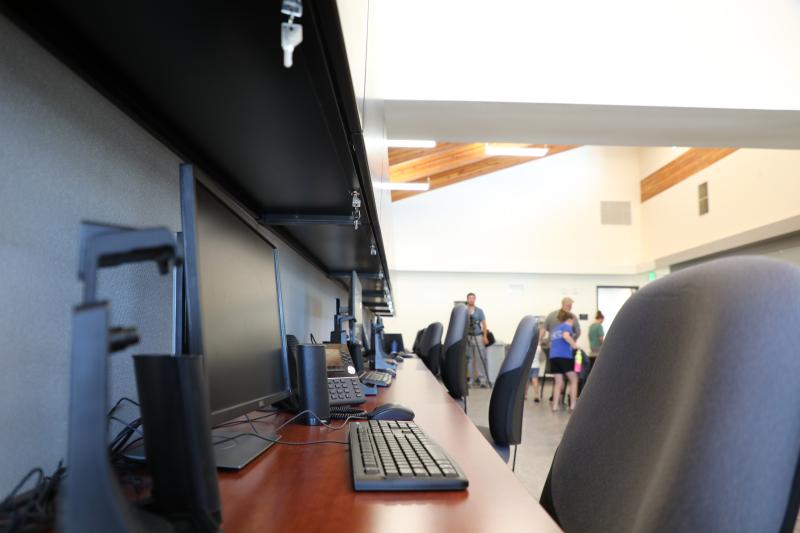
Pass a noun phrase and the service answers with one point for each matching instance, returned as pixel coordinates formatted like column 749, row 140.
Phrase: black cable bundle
column 129, row 474
column 34, row 509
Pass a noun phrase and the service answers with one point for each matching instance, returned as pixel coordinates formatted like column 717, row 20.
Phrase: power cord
column 34, row 509
column 289, row 421
column 123, row 439
column 248, row 419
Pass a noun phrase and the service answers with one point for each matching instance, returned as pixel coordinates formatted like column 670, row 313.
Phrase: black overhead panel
column 207, row 78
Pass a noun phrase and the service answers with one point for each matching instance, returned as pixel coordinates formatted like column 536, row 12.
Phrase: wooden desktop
column 310, row 488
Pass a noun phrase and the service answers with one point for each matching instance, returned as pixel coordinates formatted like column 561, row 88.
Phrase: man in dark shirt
column 477, row 339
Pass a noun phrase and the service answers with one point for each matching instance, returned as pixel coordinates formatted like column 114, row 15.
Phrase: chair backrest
column 430, row 347
column 417, row 339
column 454, row 368
column 508, row 395
column 689, row 420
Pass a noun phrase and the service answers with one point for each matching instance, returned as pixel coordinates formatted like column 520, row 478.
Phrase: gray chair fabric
column 690, row 420
column 430, row 347
column 454, row 366
column 508, row 394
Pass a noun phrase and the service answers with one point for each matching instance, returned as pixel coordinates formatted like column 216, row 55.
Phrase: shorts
column 560, row 365
column 534, row 373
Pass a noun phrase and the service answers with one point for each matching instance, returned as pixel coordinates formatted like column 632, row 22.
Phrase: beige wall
column 542, row 217
column 747, row 190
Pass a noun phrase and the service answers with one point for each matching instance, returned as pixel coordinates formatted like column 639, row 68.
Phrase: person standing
column 562, row 344
column 533, row 375
column 477, row 340
column 552, row 321
column 596, row 336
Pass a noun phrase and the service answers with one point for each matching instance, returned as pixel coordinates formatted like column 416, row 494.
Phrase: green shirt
column 595, row 336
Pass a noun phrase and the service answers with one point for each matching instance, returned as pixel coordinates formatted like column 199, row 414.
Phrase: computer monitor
column 356, row 307
column 233, row 311
column 388, row 338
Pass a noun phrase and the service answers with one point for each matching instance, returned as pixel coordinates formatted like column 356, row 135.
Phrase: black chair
column 689, row 420
column 454, row 367
column 430, row 347
column 508, row 395
column 417, row 339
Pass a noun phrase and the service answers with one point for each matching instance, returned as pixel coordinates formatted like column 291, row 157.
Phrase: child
column 533, row 377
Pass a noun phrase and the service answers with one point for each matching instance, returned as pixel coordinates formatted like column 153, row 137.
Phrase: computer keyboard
column 389, row 455
column 376, row 378
column 345, row 391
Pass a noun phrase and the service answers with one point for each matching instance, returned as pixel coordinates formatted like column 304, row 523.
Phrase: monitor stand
column 228, row 454
column 380, row 357
column 237, row 453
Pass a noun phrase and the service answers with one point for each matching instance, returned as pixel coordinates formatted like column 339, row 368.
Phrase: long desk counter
column 310, row 488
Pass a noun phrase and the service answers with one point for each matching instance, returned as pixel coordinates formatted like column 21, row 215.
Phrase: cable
column 253, row 426
column 286, row 423
column 237, row 422
column 278, row 441
column 133, row 426
column 119, row 402
column 21, row 484
column 35, row 509
column 313, row 340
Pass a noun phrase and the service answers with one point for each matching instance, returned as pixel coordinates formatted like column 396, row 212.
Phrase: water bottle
column 394, row 346
column 578, row 362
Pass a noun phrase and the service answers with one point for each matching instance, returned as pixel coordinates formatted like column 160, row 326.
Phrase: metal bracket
column 106, row 245
column 362, row 275
column 356, row 202
column 305, row 220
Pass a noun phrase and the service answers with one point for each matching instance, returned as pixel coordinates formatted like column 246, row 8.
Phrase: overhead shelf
column 207, row 79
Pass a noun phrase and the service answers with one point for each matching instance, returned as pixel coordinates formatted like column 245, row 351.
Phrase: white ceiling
column 682, row 53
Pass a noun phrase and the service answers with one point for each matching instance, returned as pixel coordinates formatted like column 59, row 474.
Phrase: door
column 611, row 299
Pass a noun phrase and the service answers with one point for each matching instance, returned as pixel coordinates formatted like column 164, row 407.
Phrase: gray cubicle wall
column 67, row 154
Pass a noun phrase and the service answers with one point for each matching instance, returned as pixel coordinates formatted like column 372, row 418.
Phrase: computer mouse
column 391, row 411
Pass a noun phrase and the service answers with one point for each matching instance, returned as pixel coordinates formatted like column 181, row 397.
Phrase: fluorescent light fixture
column 411, row 186
column 410, row 143
column 517, row 151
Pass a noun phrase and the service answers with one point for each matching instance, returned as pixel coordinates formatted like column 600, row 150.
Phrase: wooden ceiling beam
column 441, row 161
column 473, row 170
column 682, row 167
column 401, row 155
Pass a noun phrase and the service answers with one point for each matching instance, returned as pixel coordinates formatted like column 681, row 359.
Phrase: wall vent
column 615, row 213
column 702, row 198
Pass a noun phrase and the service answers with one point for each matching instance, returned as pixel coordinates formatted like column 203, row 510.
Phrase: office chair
column 508, row 394
column 416, row 348
column 689, row 421
column 454, row 367
column 430, row 347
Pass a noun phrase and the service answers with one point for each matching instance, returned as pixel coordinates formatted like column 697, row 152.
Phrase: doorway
column 610, row 300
